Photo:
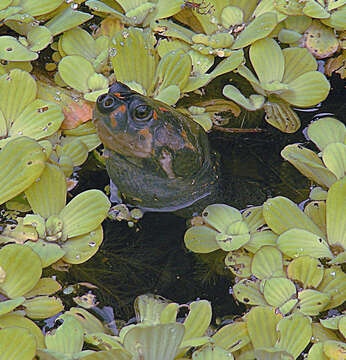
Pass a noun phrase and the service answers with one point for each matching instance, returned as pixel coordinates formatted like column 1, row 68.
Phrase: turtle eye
column 106, row 103
column 143, row 112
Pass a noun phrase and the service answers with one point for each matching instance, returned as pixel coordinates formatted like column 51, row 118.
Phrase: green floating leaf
column 315, row 10
column 259, row 239
column 336, row 19
column 22, row 269
column 267, row 263
column 253, row 103
column 259, row 28
column 158, row 342
column 326, row 131
column 201, row 239
column 268, row 68
column 198, row 319
column 169, row 95
column 66, row 20
column 42, row 307
column 334, row 157
column 232, row 337
column 312, row 302
column 295, row 334
column 298, row 61
column 277, row 291
column 248, row 292
column 316, row 210
column 298, row 242
column 237, row 235
column 45, row 286
column 79, row 42
column 173, row 69
column 76, row 150
column 336, row 209
column 38, row 120
column 289, row 36
column 212, row 352
column 322, row 334
column 39, row 38
column 282, row 214
column 20, row 89
column 84, row 213
column 272, row 354
column 81, row 248
column 334, row 284
column 48, row 253
column 108, row 355
column 67, row 338
column 75, row 71
column 17, row 343
column 228, row 64
column 307, row 270
column 16, row 320
column 44, row 7
column 298, row 23
column 90, row 323
column 309, row 164
column 231, row 15
column 52, row 184
column 7, row 306
column 220, row 216
column 307, row 90
column 133, row 49
column 12, row 50
column 342, row 325
column 254, row 217
column 316, row 352
column 261, row 324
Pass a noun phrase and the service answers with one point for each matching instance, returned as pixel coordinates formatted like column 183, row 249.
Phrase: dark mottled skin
column 158, row 158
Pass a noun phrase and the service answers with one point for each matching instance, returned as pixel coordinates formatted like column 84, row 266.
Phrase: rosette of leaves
column 84, row 62
column 22, row 113
column 136, row 12
column 284, row 78
column 136, row 62
column 220, row 26
column 24, row 17
column 157, row 331
column 22, row 288
column 325, row 168
column 330, row 12
column 71, row 232
column 311, row 24
column 226, row 228
column 328, row 338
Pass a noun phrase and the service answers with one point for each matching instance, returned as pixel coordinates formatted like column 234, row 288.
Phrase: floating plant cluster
column 56, row 58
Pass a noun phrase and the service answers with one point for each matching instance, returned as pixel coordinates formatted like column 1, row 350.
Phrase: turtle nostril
column 106, row 102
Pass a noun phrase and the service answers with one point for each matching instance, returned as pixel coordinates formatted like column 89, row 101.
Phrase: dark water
column 151, row 258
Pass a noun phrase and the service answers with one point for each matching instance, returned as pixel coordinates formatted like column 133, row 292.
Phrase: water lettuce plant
column 284, row 78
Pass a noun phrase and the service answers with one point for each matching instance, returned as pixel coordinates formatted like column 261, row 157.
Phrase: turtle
column 158, row 158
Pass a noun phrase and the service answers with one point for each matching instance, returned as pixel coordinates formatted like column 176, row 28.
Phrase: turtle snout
column 106, row 103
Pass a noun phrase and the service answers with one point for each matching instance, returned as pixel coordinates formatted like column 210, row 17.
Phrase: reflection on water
column 151, row 257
